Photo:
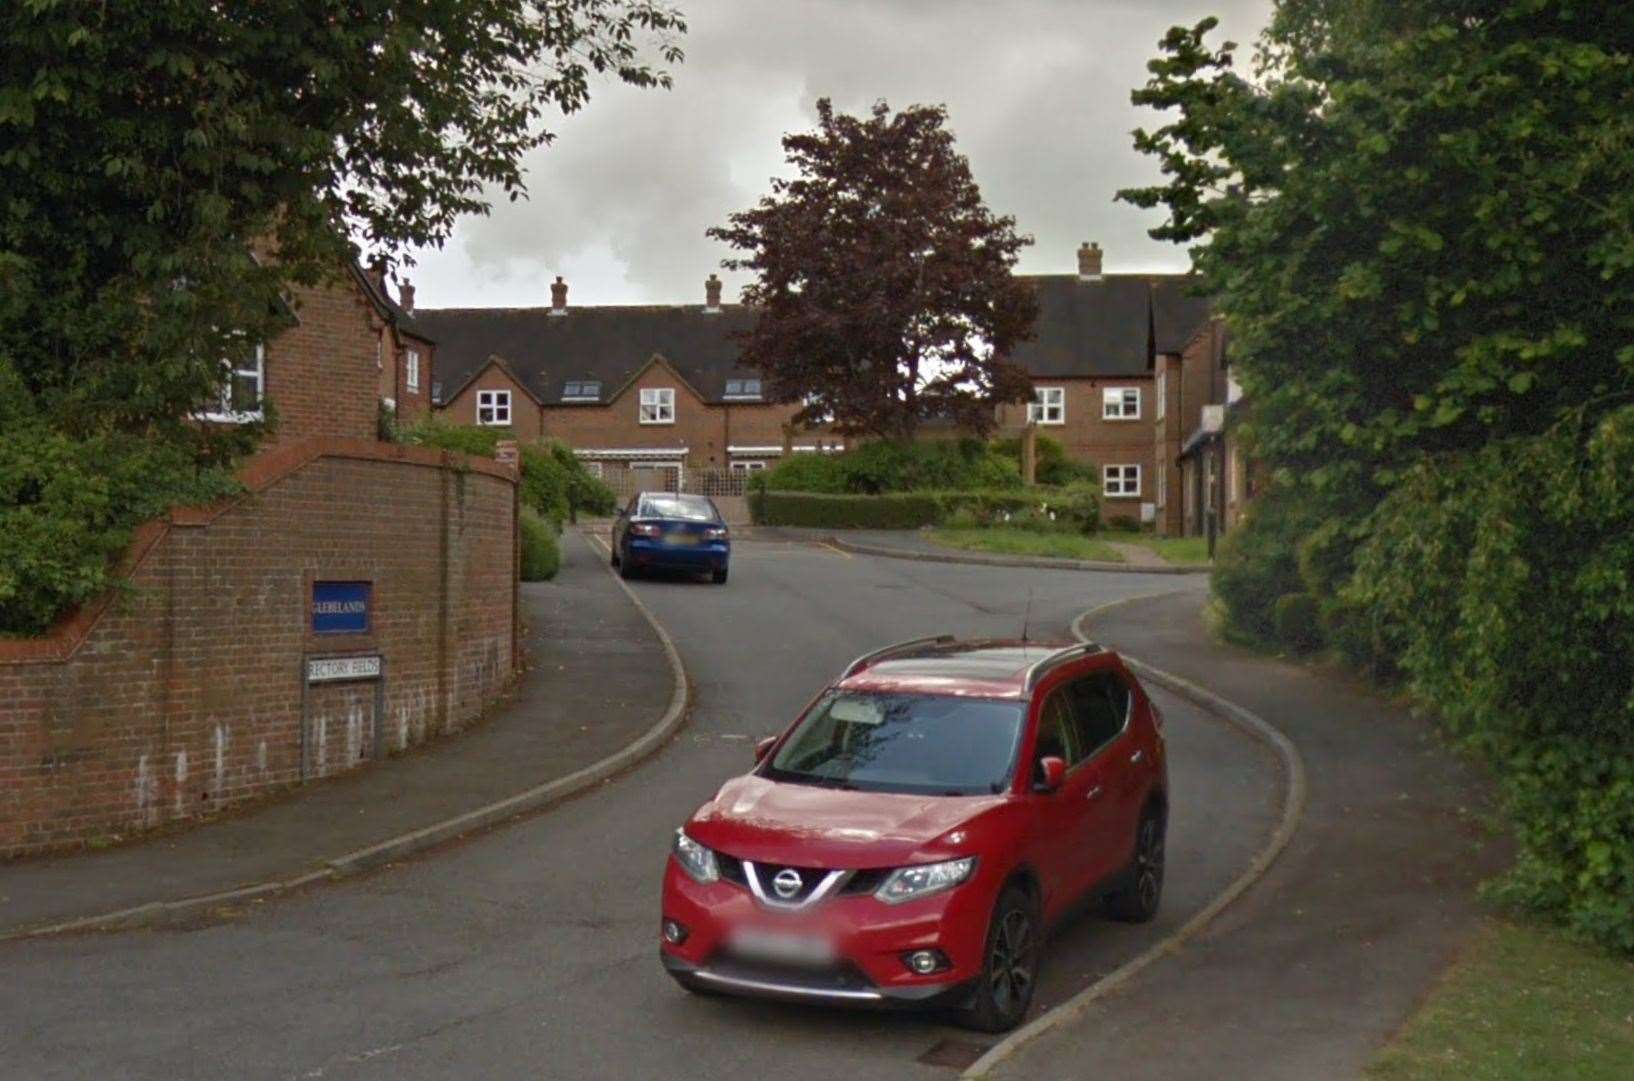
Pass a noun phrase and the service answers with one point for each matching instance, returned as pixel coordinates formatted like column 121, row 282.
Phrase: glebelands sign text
column 341, row 607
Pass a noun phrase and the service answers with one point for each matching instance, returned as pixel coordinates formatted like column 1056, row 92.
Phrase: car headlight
column 910, row 883
column 695, row 859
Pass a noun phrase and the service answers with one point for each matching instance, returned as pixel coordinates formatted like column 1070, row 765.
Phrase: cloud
column 1037, row 94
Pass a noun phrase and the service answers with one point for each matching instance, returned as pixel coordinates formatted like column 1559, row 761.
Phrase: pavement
column 597, row 680
column 1319, row 964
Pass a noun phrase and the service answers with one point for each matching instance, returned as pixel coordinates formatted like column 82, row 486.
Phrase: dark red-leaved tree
column 884, row 283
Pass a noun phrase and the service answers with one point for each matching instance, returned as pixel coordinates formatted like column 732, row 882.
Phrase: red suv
column 911, row 836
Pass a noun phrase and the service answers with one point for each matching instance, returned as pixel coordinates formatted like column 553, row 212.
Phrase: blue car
column 671, row 531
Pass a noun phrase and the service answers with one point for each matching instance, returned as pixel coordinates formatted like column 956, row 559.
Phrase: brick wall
column 184, row 693
column 323, row 375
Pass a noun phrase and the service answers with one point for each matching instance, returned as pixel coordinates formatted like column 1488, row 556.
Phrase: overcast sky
column 1037, row 93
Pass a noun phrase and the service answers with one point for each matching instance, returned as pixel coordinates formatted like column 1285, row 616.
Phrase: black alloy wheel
column 1004, row 992
column 1141, row 891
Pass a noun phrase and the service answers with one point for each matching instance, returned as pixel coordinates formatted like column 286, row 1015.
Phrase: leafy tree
column 169, row 169
column 885, row 284
column 1419, row 219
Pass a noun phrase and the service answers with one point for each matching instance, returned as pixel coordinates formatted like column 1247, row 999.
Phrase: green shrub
column 1053, row 468
column 586, row 493
column 1510, row 606
column 471, row 439
column 541, row 547
column 68, row 508
column 1076, row 508
column 820, row 510
column 885, row 466
column 1296, row 622
column 1256, row 563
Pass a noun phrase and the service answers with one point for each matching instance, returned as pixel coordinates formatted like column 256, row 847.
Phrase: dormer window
column 743, row 389
column 581, row 390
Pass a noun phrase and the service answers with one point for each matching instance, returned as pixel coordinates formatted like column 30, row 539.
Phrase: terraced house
column 660, row 387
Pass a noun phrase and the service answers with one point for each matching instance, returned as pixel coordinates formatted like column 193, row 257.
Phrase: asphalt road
column 532, row 951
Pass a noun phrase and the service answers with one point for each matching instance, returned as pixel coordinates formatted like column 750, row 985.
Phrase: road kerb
column 1032, row 562
column 162, row 913
column 1293, row 807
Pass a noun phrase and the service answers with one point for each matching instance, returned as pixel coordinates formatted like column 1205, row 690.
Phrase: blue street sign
column 340, row 607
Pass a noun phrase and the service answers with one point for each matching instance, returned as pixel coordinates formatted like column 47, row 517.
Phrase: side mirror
column 764, row 747
column 1052, row 771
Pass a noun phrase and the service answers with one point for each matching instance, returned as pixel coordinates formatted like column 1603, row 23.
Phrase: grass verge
column 1024, row 542
column 1523, row 1003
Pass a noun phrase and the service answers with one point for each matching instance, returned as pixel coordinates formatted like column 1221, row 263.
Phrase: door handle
column 1137, row 758
column 1094, row 793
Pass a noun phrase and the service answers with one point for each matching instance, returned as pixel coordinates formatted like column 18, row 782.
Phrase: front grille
column 731, row 869
column 810, row 879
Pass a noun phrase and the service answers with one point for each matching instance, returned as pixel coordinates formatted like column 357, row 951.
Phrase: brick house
column 1214, row 478
column 626, row 386
column 1098, row 347
column 404, row 349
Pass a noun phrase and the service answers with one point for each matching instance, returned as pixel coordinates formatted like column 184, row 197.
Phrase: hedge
column 1066, row 508
column 541, row 551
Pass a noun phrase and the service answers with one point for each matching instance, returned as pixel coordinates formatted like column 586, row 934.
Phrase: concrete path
column 597, row 679
column 1136, row 555
column 1313, row 970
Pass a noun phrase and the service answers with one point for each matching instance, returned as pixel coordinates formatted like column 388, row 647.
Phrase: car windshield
column 670, row 506
column 935, row 744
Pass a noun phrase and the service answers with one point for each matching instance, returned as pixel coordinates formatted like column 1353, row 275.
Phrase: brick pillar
column 505, row 453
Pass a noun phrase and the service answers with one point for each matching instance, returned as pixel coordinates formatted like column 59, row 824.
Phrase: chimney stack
column 558, row 296
column 712, row 294
column 1089, row 262
column 377, row 272
column 405, row 296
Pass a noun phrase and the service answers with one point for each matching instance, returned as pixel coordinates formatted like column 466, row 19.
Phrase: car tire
column 1009, row 976
column 613, row 555
column 625, row 571
column 718, row 577
column 1140, row 887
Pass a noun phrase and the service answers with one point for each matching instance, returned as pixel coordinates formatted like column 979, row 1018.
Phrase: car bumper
column 870, row 939
column 651, row 553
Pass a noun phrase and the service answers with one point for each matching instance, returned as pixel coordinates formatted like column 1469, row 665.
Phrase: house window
column 581, row 390
column 1120, row 481
column 241, row 395
column 1120, row 403
column 658, row 405
column 1049, row 406
column 1162, row 391
column 411, row 374
column 494, row 407
column 594, row 469
column 748, row 467
column 743, row 388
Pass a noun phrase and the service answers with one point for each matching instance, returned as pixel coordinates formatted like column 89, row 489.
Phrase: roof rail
column 890, row 651
column 1041, row 667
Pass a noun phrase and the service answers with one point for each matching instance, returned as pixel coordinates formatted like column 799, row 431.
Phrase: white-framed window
column 593, row 468
column 1161, row 389
column 748, row 466
column 1120, row 403
column 1049, row 406
column 411, row 369
column 1120, row 481
column 658, row 405
column 242, row 394
column 494, row 408
column 746, row 389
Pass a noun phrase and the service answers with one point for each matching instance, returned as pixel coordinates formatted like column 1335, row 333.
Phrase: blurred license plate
column 681, row 538
column 789, row 949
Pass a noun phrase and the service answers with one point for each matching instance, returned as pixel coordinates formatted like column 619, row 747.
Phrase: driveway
column 532, row 951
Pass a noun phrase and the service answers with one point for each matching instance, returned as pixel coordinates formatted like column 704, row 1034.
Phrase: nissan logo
column 787, row 883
